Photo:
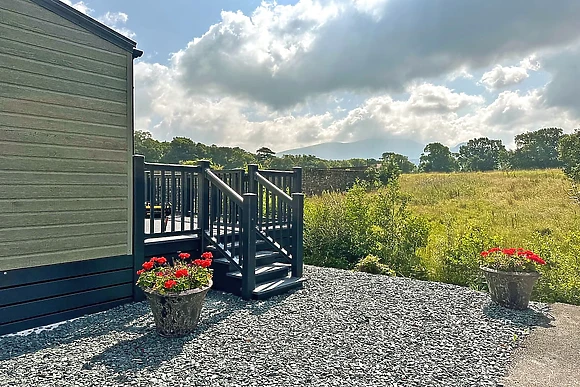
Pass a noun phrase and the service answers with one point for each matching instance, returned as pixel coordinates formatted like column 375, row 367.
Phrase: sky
column 289, row 74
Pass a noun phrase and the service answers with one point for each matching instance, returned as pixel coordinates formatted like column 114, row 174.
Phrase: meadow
column 445, row 220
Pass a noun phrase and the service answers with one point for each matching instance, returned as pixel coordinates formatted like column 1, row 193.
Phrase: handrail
column 268, row 184
column 169, row 167
column 233, row 195
column 276, row 172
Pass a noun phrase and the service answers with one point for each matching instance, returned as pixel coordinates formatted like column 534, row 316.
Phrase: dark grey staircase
column 272, row 273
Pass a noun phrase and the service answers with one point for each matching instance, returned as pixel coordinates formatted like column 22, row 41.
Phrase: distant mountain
column 455, row 149
column 364, row 149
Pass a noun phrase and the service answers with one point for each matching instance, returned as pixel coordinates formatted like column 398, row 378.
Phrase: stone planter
column 176, row 314
column 510, row 289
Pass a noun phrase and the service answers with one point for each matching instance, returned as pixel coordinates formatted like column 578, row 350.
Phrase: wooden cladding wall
column 65, row 141
column 32, row 297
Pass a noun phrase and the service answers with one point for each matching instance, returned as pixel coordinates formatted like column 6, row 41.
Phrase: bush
column 372, row 264
column 560, row 279
column 339, row 229
column 460, row 259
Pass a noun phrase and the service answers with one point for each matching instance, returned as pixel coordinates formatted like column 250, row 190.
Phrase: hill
column 364, row 149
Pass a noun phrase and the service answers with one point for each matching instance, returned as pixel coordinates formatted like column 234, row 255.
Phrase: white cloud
column 79, row 6
column 281, row 55
column 501, row 77
column 248, row 80
column 114, row 20
column 429, row 113
column 117, row 20
column 460, row 73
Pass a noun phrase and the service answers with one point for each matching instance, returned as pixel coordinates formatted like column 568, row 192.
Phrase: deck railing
column 171, row 201
column 228, row 209
column 279, row 212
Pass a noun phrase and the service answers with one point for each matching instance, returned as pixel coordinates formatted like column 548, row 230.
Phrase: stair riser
column 265, row 277
column 277, row 291
column 234, row 284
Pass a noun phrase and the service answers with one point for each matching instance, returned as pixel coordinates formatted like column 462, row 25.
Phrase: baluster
column 163, row 201
column 248, row 244
column 182, row 192
column 173, row 200
column 151, row 201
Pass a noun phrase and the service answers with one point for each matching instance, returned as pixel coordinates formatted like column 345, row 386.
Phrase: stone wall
column 315, row 181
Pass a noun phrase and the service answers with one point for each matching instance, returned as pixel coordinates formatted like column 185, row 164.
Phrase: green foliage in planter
column 340, row 229
column 372, row 264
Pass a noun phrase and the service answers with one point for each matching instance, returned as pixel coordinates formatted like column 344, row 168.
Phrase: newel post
column 252, row 182
column 297, row 234
column 203, row 200
column 297, row 179
column 248, row 244
column 138, row 222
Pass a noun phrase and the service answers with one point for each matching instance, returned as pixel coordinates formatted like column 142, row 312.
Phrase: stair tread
column 276, row 266
column 278, row 284
column 259, row 254
column 236, row 244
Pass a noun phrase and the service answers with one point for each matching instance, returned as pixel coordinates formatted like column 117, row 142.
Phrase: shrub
column 372, row 264
column 460, row 256
column 560, row 279
column 341, row 228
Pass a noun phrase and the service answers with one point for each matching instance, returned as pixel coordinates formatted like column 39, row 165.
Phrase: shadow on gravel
column 134, row 320
column 150, row 351
column 530, row 317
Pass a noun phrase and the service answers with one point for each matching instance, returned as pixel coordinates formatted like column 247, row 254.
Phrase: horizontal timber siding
column 65, row 146
column 42, row 295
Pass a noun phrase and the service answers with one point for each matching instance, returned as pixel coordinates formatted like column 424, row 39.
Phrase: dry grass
column 511, row 205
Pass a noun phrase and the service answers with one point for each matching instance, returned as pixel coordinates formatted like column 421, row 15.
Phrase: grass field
column 511, row 204
column 530, row 209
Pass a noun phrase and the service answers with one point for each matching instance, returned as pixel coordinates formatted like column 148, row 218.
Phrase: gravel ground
column 342, row 329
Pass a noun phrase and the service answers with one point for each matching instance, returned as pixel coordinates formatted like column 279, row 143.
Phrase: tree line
column 182, row 150
column 540, row 149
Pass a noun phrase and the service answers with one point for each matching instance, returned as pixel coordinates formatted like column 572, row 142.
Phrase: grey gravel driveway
column 342, row 329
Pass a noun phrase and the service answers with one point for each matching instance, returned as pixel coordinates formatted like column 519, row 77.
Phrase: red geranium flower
column 537, row 259
column 184, row 255
column 484, row 253
column 139, row 272
column 148, row 265
column 161, row 261
column 169, row 284
column 207, row 255
column 159, row 274
column 181, row 273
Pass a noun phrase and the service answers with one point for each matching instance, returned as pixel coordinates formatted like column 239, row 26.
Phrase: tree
column 147, row 146
column 402, row 162
column 481, row 154
column 437, row 157
column 569, row 155
column 264, row 154
column 537, row 150
column 182, row 149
